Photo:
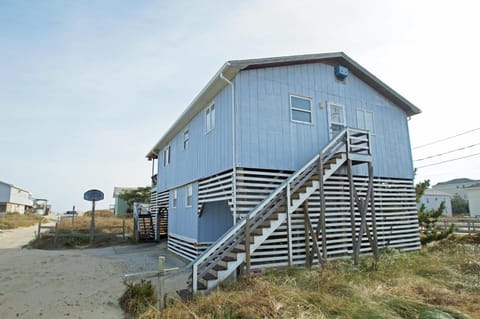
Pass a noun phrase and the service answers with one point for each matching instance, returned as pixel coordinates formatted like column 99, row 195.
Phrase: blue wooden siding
column 207, row 153
column 183, row 220
column 215, row 220
column 267, row 138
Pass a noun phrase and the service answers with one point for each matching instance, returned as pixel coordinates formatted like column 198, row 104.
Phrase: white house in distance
column 14, row 199
column 432, row 199
column 473, row 193
column 456, row 186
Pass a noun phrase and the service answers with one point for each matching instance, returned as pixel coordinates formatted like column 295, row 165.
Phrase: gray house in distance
column 286, row 161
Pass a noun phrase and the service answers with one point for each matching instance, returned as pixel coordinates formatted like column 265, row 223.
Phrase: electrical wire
column 448, row 152
column 450, row 160
column 447, row 138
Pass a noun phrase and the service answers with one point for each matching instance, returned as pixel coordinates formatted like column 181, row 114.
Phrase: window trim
column 189, row 186
column 167, row 153
column 364, row 111
column 329, row 117
column 300, row 110
column 174, row 198
column 186, row 132
column 212, row 123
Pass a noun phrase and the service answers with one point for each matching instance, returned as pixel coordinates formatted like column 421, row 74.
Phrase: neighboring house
column 433, row 198
column 121, row 206
column 262, row 140
column 473, row 193
column 14, row 199
column 456, row 186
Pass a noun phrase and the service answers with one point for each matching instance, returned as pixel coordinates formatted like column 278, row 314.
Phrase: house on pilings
column 286, row 161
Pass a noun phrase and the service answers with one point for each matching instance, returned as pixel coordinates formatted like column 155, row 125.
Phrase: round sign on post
column 92, row 196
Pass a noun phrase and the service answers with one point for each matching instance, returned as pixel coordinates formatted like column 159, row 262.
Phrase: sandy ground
column 71, row 283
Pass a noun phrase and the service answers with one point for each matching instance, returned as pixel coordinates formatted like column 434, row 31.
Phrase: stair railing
column 227, row 242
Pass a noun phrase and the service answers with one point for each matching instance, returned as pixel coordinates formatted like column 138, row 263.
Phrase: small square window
column 189, row 195
column 300, row 109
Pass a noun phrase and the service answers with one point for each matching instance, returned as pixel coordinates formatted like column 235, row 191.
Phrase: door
column 336, row 117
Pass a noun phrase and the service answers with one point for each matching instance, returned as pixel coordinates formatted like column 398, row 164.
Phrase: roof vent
column 341, row 72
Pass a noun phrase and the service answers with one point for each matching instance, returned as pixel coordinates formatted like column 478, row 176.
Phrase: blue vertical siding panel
column 271, row 140
column 183, row 220
column 207, row 153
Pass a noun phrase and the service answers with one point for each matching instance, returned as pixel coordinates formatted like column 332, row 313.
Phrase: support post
column 289, row 234
column 322, row 211
column 352, row 209
column 194, row 278
column 92, row 224
column 373, row 213
column 247, row 247
column 308, row 258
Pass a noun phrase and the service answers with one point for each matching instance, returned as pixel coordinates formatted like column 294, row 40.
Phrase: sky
column 88, row 87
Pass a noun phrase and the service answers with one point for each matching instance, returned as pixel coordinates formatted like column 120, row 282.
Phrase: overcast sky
column 88, row 87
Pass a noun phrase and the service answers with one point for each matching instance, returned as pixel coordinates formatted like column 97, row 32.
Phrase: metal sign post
column 93, row 195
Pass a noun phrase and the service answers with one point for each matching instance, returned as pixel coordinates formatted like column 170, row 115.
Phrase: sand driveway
column 69, row 283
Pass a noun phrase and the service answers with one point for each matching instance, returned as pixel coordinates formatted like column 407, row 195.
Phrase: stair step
column 209, row 276
column 201, row 286
column 218, row 267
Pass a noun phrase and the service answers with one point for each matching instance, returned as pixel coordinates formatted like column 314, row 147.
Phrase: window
column 186, row 138
column 210, row 118
column 174, row 198
column 189, row 196
column 301, row 109
column 365, row 120
column 166, row 156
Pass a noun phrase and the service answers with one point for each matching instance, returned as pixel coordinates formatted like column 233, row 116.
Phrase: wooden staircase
column 144, row 225
column 235, row 247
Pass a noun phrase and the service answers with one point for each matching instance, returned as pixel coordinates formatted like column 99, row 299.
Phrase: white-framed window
column 300, row 109
column 365, row 120
column 189, row 195
column 166, row 155
column 210, row 118
column 174, row 198
column 186, row 138
column 337, row 118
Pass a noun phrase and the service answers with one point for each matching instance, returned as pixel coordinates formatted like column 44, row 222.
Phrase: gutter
column 234, row 149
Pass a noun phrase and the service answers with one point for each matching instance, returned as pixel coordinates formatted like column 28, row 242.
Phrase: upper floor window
column 189, row 196
column 174, row 198
column 300, row 109
column 166, row 156
column 186, row 138
column 210, row 118
column 365, row 120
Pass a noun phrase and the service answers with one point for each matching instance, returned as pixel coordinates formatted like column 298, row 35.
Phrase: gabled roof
column 230, row 69
column 457, row 181
column 120, row 190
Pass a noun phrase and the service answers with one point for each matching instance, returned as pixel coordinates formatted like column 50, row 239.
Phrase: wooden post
column 373, row 212
column 39, row 228
column 247, row 247
column 123, row 227
column 352, row 209
column 308, row 260
column 73, row 217
column 322, row 211
column 161, row 283
column 56, row 235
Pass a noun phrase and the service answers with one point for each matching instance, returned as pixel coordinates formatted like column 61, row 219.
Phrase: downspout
column 234, row 151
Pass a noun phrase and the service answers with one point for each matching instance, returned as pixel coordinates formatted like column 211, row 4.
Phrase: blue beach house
column 286, row 161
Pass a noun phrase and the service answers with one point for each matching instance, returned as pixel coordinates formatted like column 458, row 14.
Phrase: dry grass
column 441, row 280
column 99, row 213
column 102, row 224
column 15, row 220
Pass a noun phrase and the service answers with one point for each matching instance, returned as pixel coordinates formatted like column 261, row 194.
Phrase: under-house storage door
column 336, row 117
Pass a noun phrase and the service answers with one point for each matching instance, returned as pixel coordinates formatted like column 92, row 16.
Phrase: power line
column 455, row 150
column 450, row 160
column 447, row 138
